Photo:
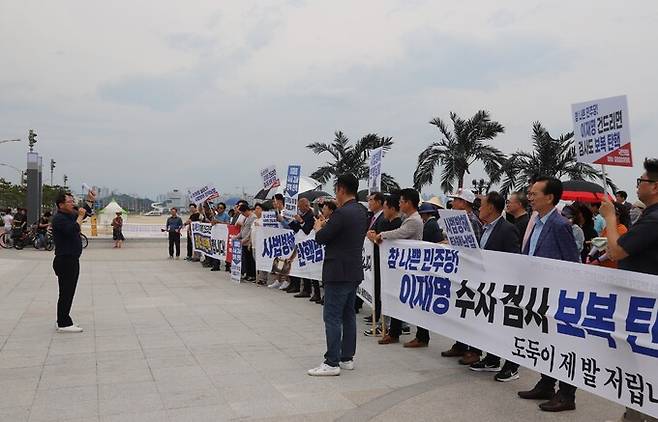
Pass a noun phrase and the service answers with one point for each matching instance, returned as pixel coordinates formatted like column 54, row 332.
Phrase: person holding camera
column 68, row 248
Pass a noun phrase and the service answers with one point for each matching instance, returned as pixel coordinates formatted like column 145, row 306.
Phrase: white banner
column 269, row 219
column 210, row 240
column 236, row 261
column 458, row 228
column 375, row 173
column 602, row 133
column 366, row 289
column 291, row 192
column 275, row 245
column 270, row 179
column 204, row 193
column 590, row 326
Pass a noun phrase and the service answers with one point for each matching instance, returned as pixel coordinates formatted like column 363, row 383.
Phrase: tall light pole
column 20, row 172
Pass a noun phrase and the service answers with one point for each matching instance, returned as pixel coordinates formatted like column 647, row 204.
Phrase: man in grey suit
column 551, row 236
column 411, row 228
column 342, row 272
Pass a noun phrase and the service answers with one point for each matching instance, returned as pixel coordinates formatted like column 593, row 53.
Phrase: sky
column 153, row 95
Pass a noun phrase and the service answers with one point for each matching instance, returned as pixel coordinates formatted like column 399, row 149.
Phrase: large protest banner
column 204, row 193
column 602, row 131
column 270, row 179
column 210, row 240
column 291, row 193
column 590, row 326
column 375, row 171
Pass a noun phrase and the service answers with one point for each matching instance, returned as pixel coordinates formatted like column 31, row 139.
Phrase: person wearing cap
column 636, row 211
column 431, row 233
column 117, row 226
column 463, row 199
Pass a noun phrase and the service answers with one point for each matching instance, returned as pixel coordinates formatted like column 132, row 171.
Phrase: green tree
column 355, row 159
column 12, row 195
column 458, row 149
column 549, row 157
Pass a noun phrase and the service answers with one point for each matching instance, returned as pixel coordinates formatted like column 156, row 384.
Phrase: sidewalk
column 171, row 341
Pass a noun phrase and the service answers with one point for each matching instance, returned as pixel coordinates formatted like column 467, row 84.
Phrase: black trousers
column 67, row 269
column 174, row 241
column 567, row 391
column 396, row 328
column 422, row 335
column 248, row 262
column 189, row 246
column 466, row 348
column 306, row 285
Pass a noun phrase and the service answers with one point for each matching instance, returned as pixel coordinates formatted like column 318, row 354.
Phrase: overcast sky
column 151, row 95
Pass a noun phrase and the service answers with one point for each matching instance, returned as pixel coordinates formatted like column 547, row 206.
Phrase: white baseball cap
column 464, row 194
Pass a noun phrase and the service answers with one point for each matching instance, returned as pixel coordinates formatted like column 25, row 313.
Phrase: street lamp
column 9, row 140
column 20, row 172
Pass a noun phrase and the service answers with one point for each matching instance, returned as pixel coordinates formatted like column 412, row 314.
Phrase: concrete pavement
column 171, row 341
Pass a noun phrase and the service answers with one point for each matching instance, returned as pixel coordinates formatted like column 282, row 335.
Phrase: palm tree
column 458, row 149
column 353, row 159
column 550, row 157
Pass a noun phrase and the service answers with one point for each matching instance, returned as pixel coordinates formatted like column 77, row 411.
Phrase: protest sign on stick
column 236, row 261
column 458, row 228
column 270, row 178
column 292, row 191
column 375, row 172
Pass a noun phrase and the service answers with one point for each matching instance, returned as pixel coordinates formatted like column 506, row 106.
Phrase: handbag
column 281, row 266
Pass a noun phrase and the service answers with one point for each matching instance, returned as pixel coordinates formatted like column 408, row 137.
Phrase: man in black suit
column 502, row 236
column 303, row 221
column 342, row 272
column 376, row 208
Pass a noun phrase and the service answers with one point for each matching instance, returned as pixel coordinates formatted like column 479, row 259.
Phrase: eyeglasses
column 640, row 180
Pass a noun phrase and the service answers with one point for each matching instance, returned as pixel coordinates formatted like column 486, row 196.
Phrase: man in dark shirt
column 174, row 226
column 68, row 248
column 517, row 212
column 342, row 272
column 194, row 216
column 431, row 233
column 637, row 249
column 42, row 229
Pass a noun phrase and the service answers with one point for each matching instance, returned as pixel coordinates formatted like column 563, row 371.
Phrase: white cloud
column 171, row 92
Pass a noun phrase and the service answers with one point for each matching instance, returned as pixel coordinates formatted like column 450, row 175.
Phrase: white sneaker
column 69, row 329
column 348, row 366
column 285, row 285
column 275, row 285
column 324, row 370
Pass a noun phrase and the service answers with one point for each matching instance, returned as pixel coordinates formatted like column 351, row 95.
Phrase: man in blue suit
column 550, row 236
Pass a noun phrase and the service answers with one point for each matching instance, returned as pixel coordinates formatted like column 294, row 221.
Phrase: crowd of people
column 532, row 222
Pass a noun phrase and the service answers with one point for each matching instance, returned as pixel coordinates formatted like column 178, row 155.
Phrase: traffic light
column 66, row 179
column 32, row 139
column 52, row 164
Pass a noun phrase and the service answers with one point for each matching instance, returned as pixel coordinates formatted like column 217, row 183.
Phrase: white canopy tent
column 107, row 214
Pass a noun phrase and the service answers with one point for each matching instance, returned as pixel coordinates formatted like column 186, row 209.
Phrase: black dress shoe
column 303, row 294
column 293, row 290
column 314, row 298
column 558, row 404
column 537, row 393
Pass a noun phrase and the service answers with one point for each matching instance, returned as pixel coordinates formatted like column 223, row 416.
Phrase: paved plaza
column 171, row 341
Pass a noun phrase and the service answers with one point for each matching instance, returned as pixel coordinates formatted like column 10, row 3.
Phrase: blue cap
column 426, row 208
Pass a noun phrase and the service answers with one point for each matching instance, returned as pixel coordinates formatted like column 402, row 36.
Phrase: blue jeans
column 339, row 321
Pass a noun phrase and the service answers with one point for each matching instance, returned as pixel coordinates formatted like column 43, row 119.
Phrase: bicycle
column 6, row 242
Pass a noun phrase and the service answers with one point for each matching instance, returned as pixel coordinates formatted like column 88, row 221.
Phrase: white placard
column 458, row 228
column 602, row 133
column 375, row 173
